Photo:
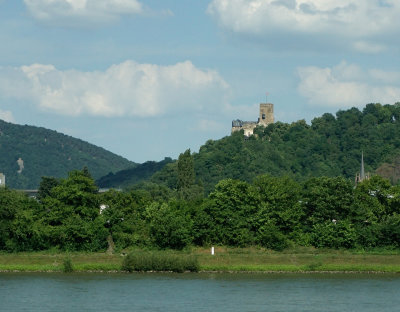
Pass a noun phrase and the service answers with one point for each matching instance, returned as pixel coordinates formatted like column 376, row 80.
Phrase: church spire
column 361, row 176
column 362, row 171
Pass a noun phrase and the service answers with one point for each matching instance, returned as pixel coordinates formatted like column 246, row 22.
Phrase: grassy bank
column 301, row 259
column 225, row 260
column 54, row 261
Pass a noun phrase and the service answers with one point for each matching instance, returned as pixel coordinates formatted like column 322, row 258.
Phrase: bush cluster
column 156, row 261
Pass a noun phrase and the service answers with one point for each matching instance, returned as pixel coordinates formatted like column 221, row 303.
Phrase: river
column 199, row 292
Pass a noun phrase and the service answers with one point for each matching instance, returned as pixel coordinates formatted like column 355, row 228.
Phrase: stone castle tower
column 265, row 118
column 266, row 114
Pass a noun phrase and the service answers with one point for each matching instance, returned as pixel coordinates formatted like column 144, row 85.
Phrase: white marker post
column 212, row 251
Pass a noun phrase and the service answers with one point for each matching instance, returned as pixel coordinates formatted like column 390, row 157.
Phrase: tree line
column 274, row 212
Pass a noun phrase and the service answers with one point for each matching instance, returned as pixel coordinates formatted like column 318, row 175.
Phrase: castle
column 266, row 117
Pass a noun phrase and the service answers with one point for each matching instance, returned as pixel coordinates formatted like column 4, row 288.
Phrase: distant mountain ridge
column 131, row 176
column 28, row 152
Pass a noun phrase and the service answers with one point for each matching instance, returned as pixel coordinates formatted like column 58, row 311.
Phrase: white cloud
column 345, row 20
column 69, row 12
column 6, row 115
column 128, row 88
column 348, row 85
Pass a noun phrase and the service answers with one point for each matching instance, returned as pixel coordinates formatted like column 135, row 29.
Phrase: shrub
column 159, row 261
column 67, row 265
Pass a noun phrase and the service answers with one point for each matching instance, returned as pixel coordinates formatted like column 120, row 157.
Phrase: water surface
column 199, row 292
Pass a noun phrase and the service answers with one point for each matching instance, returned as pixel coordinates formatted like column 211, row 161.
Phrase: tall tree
column 186, row 184
column 186, row 175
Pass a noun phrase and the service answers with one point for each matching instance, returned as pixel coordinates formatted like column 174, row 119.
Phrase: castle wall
column 246, row 126
column 249, row 128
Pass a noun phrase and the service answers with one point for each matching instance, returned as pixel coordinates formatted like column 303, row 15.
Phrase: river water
column 199, row 292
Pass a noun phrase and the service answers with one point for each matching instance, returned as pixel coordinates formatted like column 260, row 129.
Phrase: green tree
column 45, row 186
column 9, row 205
column 124, row 216
column 338, row 234
column 186, row 184
column 231, row 209
column 203, row 225
column 326, row 199
column 372, row 198
column 71, row 214
column 18, row 230
column 391, row 231
column 157, row 192
column 280, row 202
column 86, row 172
column 169, row 227
column 375, row 203
column 186, row 175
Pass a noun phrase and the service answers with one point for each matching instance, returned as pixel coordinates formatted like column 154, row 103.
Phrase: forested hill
column 27, row 153
column 131, row 176
column 330, row 146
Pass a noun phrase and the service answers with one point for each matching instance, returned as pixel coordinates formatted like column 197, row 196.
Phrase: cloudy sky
column 148, row 78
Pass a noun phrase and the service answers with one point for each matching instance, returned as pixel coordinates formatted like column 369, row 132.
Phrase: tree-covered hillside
column 127, row 177
column 331, row 146
column 27, row 153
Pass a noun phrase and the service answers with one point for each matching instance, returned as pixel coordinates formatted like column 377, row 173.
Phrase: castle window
column 263, row 116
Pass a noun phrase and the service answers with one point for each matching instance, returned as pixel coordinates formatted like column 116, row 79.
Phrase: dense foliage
column 48, row 153
column 273, row 212
column 331, row 146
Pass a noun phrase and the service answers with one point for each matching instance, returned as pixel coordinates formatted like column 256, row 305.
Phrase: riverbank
column 224, row 260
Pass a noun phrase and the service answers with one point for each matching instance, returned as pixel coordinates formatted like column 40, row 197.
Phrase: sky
column 148, row 79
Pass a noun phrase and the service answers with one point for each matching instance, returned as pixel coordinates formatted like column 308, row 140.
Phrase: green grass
column 298, row 260
column 225, row 259
column 54, row 261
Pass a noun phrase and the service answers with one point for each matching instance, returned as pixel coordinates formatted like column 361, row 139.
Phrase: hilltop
column 27, row 153
column 330, row 146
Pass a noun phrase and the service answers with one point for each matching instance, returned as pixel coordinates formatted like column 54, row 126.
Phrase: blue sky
column 147, row 79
